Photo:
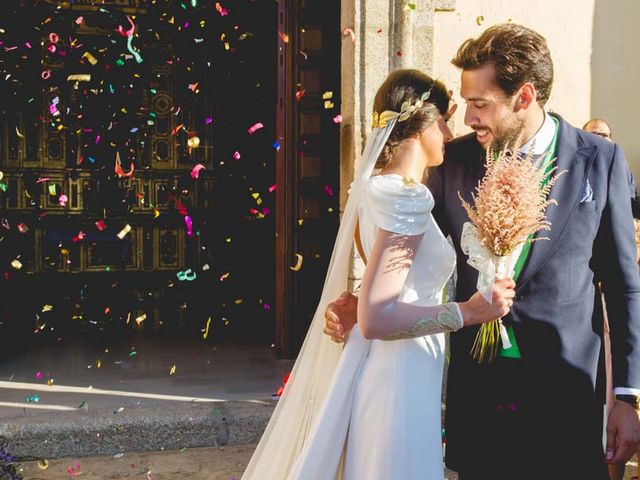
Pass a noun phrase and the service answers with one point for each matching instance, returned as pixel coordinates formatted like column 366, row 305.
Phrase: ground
column 225, row 463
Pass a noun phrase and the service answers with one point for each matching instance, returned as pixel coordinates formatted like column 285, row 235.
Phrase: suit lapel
column 576, row 159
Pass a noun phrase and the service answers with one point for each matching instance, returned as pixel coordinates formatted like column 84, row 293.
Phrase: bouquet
column 509, row 209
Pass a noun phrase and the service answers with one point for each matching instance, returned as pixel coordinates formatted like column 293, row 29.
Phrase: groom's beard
column 506, row 133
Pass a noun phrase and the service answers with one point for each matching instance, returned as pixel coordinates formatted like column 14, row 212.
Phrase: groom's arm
column 615, row 254
column 616, row 250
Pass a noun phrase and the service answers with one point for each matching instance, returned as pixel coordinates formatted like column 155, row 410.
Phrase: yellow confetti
column 124, row 231
column 141, row 318
column 92, row 60
column 43, row 464
column 327, row 95
column 173, row 370
column 98, row 364
column 128, row 318
column 328, row 105
column 206, row 330
column 238, row 301
column 298, row 264
column 16, row 264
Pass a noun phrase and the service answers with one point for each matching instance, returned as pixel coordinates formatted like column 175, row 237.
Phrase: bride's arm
column 381, row 315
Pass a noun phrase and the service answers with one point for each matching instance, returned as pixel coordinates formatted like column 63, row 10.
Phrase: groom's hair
column 518, row 54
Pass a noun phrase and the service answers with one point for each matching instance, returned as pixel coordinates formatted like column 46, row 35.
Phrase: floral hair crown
column 381, row 120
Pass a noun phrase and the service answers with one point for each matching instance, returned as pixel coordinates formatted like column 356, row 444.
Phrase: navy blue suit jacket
column 557, row 315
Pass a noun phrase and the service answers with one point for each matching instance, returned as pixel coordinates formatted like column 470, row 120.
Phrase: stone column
column 389, row 34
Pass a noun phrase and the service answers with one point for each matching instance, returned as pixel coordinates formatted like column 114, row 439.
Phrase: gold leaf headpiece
column 381, row 120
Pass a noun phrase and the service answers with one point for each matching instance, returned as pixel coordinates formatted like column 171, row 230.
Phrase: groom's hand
column 340, row 316
column 623, row 433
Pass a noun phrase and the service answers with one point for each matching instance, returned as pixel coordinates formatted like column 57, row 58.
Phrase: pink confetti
column 74, row 470
column 39, row 375
column 329, row 191
column 100, row 225
column 53, row 37
column 208, row 121
column 43, row 179
column 98, row 139
column 62, row 200
column 273, row 188
column 195, row 172
column 266, row 211
column 351, row 33
column 221, row 10
column 337, row 119
column 255, row 127
column 236, row 155
column 79, row 20
column 189, row 224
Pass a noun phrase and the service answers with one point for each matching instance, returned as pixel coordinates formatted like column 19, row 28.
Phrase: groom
column 537, row 411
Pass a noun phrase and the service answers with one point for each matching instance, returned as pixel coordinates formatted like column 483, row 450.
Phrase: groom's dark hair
column 518, row 54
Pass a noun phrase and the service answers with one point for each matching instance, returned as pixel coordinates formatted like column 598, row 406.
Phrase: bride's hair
column 409, row 85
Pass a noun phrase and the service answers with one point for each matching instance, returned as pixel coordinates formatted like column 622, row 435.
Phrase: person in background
column 599, row 127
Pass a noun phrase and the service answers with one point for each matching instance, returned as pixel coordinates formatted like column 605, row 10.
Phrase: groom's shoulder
column 463, row 149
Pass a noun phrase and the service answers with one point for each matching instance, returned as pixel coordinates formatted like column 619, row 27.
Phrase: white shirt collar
column 542, row 138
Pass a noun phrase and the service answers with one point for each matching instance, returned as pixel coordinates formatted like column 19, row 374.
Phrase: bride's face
column 433, row 139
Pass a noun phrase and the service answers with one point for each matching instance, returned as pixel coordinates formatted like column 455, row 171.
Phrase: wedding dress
column 371, row 409
column 393, row 394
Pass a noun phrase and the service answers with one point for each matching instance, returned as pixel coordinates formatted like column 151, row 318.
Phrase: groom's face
column 490, row 112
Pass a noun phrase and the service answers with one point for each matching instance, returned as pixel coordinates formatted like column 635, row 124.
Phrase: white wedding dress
column 381, row 418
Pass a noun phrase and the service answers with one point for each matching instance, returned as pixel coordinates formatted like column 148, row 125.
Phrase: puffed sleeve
column 398, row 206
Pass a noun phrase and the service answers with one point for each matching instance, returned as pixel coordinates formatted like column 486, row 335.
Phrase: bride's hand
column 476, row 310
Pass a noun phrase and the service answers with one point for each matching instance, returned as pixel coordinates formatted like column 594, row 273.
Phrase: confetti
column 189, row 225
column 298, row 264
column 255, row 127
column 173, row 370
column 349, row 32
column 90, row 58
column 141, row 319
column 16, row 264
column 74, row 470
column 337, row 119
column 124, row 231
column 236, row 155
column 195, row 171
column 409, row 6
column 79, row 77
column 43, row 464
column 101, row 225
column 188, row 275
column 206, row 330
column 284, row 37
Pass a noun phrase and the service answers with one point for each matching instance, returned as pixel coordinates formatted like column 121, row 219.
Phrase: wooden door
column 308, row 161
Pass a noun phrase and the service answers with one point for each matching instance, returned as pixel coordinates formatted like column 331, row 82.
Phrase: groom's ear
column 526, row 96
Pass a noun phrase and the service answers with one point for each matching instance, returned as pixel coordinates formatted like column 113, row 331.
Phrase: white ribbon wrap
column 490, row 267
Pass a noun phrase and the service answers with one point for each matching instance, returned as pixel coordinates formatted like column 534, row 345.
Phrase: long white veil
column 313, row 372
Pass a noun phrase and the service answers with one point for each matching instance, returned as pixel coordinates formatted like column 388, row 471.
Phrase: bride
column 372, row 411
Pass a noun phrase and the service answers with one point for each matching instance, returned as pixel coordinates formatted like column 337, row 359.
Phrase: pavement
column 80, row 400
column 224, row 463
column 149, row 409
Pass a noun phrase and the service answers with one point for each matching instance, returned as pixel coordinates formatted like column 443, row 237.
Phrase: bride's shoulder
column 398, row 204
column 398, row 187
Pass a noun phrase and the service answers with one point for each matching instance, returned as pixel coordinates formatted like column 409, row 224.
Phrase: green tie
column 514, row 350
